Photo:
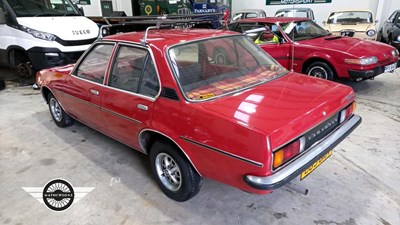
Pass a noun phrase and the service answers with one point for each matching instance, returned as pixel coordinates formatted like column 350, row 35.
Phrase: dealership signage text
column 289, row 2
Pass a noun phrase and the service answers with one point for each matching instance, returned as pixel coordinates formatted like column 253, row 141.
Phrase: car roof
column 250, row 11
column 293, row 9
column 352, row 10
column 273, row 20
column 167, row 37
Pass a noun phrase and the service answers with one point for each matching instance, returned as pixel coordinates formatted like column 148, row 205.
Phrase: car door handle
column 94, row 92
column 142, row 107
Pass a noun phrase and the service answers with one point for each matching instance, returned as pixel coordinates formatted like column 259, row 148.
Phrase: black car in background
column 390, row 30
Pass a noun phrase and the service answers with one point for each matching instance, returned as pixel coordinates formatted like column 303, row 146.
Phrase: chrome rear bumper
column 295, row 168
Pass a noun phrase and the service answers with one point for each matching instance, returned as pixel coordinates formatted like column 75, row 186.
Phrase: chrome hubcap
column 319, row 72
column 55, row 110
column 168, row 172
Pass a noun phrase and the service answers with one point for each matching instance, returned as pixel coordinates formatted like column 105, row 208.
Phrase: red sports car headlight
column 362, row 62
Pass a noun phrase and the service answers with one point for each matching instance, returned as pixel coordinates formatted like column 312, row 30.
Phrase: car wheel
column 2, row 84
column 390, row 41
column 380, row 37
column 321, row 70
column 221, row 57
column 60, row 117
column 174, row 174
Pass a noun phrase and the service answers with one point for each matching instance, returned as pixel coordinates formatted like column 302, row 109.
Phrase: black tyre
column 321, row 70
column 221, row 56
column 390, row 41
column 173, row 173
column 380, row 37
column 60, row 117
column 2, row 84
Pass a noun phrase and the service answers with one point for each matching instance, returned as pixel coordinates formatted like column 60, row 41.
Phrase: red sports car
column 299, row 44
column 250, row 124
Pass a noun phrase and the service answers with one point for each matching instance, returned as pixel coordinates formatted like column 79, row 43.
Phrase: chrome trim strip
column 101, row 108
column 121, row 116
column 109, row 135
column 223, row 152
column 82, row 101
column 292, row 170
column 132, row 93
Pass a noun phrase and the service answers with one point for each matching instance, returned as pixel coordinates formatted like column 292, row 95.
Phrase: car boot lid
column 285, row 107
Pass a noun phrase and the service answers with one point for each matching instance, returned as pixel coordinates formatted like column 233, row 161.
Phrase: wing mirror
column 252, row 35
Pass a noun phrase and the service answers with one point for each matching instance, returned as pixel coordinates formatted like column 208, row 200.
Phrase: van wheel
column 320, row 70
column 60, row 117
column 173, row 173
column 25, row 69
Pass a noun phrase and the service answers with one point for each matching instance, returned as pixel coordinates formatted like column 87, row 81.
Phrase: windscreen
column 38, row 8
column 219, row 66
column 292, row 13
column 352, row 17
column 303, row 30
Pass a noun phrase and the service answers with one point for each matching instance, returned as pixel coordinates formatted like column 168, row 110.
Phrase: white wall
column 389, row 6
column 321, row 11
column 94, row 9
column 123, row 5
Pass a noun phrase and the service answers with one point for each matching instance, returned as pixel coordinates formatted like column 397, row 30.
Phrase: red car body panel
column 331, row 49
column 226, row 138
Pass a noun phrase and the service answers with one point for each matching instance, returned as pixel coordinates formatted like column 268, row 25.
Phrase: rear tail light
column 347, row 112
column 288, row 152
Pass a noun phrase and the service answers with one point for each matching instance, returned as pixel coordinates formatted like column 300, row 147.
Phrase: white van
column 37, row 34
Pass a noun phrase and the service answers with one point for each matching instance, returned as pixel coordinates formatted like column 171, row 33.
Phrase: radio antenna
column 293, row 42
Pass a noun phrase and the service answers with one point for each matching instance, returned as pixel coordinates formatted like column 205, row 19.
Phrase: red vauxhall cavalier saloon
column 251, row 124
column 299, row 44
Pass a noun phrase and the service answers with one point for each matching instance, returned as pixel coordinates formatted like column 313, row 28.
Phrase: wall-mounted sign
column 84, row 2
column 290, row 2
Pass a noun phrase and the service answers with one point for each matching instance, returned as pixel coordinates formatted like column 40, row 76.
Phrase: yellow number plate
column 315, row 165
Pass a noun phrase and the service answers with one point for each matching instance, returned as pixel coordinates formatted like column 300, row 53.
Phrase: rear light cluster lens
column 288, row 152
column 347, row 112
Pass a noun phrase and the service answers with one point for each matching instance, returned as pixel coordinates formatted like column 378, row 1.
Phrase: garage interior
column 358, row 184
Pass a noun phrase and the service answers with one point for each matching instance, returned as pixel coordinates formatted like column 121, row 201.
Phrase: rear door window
column 133, row 70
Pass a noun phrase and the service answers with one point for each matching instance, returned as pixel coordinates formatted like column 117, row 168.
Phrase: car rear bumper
column 294, row 169
column 359, row 75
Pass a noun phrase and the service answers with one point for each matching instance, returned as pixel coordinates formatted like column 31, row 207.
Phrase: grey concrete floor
column 358, row 184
